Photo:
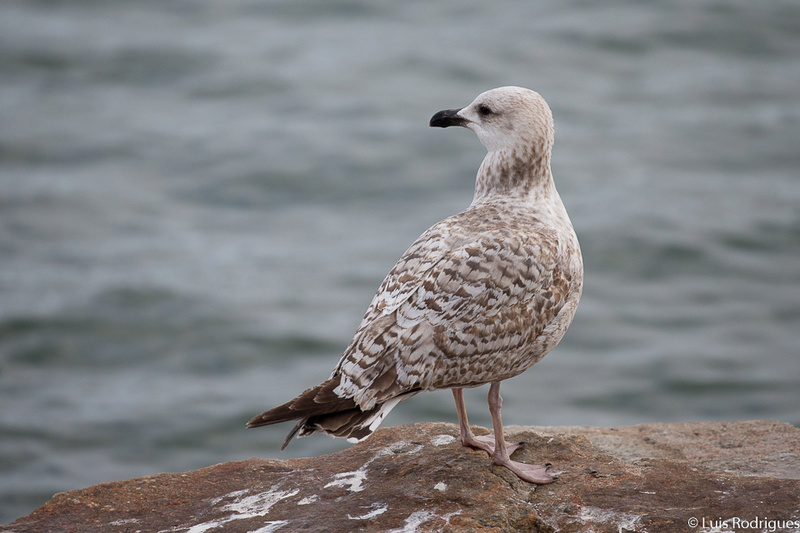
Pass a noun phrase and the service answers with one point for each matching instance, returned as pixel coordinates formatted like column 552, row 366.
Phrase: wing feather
column 463, row 306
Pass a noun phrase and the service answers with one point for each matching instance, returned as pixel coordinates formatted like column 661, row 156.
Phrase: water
column 198, row 200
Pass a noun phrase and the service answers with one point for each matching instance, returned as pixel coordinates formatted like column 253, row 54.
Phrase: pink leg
column 485, row 443
column 531, row 473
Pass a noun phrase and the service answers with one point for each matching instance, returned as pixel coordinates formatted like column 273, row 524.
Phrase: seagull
column 478, row 298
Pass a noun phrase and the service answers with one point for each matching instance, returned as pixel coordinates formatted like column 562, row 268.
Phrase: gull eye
column 484, row 110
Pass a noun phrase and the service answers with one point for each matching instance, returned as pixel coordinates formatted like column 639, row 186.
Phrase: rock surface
column 652, row 477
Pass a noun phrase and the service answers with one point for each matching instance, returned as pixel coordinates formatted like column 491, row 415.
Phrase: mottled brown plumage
column 478, row 298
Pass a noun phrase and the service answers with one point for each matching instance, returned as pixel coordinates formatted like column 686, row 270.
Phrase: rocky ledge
column 652, row 477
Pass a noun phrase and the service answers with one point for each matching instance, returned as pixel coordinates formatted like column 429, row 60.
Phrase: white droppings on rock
column 243, row 507
column 377, row 509
column 414, row 520
column 202, row 528
column 448, row 516
column 258, row 504
column 441, row 486
column 624, row 521
column 230, row 495
column 309, row 499
column 269, row 527
column 442, row 440
column 124, row 521
column 402, row 446
column 354, row 480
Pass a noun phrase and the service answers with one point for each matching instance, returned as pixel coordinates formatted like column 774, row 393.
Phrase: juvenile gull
column 478, row 298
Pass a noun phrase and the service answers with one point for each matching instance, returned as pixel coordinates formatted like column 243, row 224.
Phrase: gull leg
column 485, row 443
column 531, row 473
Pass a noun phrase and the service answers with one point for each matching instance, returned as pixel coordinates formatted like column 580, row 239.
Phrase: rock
column 652, row 477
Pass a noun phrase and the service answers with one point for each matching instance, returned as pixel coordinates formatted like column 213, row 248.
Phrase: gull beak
column 448, row 117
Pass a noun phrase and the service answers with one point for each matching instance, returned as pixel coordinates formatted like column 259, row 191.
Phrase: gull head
column 506, row 118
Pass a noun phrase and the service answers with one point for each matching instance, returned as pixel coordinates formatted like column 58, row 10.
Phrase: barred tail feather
column 321, row 410
column 317, row 400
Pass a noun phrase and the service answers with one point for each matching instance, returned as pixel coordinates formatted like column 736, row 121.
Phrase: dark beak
column 448, row 117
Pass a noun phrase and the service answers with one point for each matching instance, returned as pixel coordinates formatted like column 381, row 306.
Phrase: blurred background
column 198, row 200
